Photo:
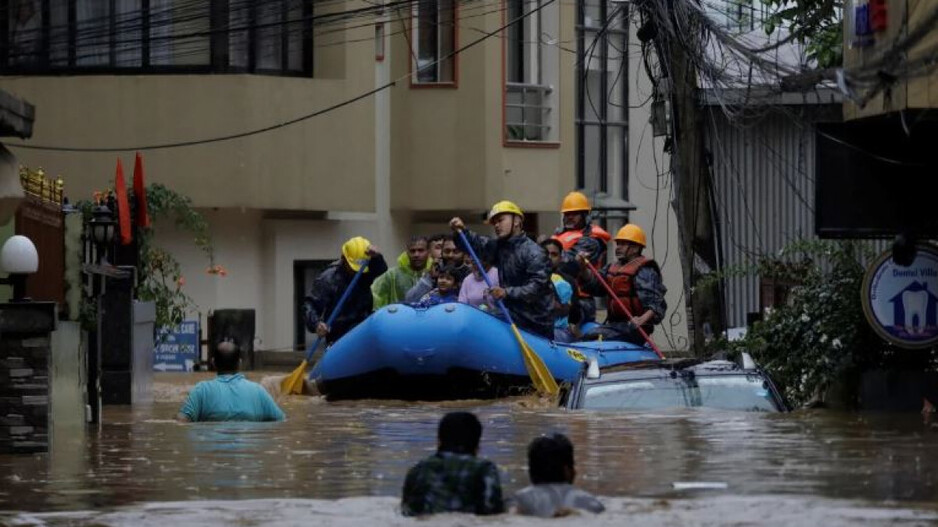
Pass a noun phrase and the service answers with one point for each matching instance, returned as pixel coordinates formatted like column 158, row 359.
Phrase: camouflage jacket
column 450, row 482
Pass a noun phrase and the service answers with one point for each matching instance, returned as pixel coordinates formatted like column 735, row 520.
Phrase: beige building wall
column 448, row 151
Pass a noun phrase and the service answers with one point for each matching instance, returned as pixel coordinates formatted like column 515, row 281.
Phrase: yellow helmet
column 631, row 233
column 354, row 251
column 505, row 206
column 575, row 202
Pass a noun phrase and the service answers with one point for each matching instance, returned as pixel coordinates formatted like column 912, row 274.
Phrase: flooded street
column 145, row 468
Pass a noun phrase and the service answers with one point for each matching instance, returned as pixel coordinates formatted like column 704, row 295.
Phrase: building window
column 434, row 42
column 602, row 96
column 152, row 36
column 531, row 71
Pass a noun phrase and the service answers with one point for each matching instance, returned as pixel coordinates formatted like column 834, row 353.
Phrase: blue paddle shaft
column 338, row 307
column 485, row 276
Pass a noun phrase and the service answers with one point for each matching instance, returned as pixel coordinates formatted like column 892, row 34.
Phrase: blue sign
column 177, row 350
column 901, row 303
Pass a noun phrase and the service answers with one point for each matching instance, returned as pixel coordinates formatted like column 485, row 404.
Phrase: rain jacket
column 524, row 273
column 327, row 290
column 392, row 286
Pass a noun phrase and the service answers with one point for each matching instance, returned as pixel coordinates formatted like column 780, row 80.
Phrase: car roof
column 642, row 369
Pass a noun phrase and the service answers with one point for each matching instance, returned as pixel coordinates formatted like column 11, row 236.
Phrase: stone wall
column 25, row 351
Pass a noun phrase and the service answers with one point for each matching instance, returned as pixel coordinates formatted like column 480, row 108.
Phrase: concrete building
column 428, row 109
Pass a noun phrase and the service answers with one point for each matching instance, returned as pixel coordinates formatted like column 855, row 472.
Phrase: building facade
column 454, row 114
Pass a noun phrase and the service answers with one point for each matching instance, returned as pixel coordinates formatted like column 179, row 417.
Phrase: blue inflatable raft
column 449, row 351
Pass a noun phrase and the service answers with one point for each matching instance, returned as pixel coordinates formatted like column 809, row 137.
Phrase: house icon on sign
column 915, row 308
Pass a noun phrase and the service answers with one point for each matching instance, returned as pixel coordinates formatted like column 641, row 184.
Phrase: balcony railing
column 527, row 111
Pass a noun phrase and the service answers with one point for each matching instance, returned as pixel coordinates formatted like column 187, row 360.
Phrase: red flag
column 123, row 206
column 140, row 192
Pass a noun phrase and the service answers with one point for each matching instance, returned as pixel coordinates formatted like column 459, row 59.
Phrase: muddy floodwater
column 344, row 463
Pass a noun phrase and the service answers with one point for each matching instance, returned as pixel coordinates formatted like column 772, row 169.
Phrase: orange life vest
column 621, row 279
column 569, row 238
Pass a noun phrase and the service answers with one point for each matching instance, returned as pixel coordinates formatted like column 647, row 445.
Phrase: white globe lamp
column 18, row 258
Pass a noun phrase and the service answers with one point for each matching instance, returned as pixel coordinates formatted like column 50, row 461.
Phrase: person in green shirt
column 392, row 286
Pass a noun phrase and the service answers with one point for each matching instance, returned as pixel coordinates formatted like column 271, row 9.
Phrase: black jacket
column 524, row 273
column 327, row 290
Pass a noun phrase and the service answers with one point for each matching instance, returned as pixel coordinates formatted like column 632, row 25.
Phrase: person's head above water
column 227, row 358
column 459, row 433
column 550, row 460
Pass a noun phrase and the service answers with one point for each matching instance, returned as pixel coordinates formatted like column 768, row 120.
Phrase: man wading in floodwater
column 454, row 479
column 229, row 397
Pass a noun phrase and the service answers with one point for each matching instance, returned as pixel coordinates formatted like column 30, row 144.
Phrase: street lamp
column 19, row 258
column 101, row 229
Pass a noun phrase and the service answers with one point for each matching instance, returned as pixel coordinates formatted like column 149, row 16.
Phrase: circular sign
column 901, row 303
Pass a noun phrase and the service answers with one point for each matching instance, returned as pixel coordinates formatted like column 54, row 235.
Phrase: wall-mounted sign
column 177, row 350
column 901, row 303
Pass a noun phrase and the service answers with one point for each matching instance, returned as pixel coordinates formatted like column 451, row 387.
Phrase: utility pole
column 691, row 179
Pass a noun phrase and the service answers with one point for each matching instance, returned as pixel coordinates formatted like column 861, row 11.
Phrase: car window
column 635, row 395
column 730, row 392
column 735, row 392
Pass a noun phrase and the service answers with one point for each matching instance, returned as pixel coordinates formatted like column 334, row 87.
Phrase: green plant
column 820, row 336
column 815, row 23
column 160, row 276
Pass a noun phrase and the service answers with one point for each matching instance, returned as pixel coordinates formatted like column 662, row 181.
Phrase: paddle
column 613, row 296
column 293, row 384
column 541, row 377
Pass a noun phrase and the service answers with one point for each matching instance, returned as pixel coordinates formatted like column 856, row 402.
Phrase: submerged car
column 658, row 384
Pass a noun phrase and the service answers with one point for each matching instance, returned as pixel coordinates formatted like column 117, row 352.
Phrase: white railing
column 527, row 111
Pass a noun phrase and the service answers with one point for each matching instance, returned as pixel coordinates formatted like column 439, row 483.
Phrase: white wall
column 650, row 191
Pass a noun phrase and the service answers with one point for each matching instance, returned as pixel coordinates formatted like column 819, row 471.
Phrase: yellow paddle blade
column 540, row 376
column 293, row 384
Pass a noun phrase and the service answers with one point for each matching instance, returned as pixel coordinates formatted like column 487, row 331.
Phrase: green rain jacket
column 392, row 286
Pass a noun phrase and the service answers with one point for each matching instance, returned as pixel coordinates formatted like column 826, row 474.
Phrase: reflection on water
column 359, row 449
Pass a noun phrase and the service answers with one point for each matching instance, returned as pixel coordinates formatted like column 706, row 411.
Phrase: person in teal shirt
column 229, row 397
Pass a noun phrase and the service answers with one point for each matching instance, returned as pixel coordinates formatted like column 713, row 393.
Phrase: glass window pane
column 92, row 47
column 616, row 78
column 269, row 45
column 128, row 35
column 591, row 169
column 427, row 40
column 239, row 17
column 515, row 45
column 58, row 32
column 295, row 42
column 591, row 13
column 179, row 32
column 447, row 36
column 615, row 146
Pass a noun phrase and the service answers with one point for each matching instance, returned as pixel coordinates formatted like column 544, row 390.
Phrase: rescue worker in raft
column 637, row 282
column 328, row 287
column 523, row 268
column 577, row 235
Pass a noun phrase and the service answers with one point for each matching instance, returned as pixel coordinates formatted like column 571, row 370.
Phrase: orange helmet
column 575, row 202
column 631, row 233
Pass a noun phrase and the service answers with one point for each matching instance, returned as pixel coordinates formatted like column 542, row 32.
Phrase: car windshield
column 729, row 392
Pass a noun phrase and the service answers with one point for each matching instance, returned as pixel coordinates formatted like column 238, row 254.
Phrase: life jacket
column 569, row 238
column 621, row 278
